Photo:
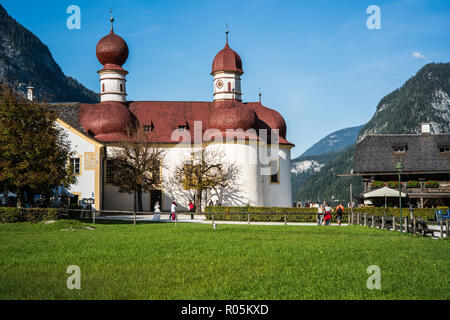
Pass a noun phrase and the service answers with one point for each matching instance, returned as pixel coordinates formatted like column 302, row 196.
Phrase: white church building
column 251, row 136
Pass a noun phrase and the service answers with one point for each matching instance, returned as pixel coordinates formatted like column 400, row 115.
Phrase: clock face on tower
column 219, row 84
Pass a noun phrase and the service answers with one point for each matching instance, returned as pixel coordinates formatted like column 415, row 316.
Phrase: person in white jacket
column 157, row 215
column 173, row 210
column 320, row 211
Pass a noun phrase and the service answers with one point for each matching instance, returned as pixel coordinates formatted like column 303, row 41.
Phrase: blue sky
column 316, row 62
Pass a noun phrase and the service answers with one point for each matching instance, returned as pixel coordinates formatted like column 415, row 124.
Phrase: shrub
column 392, row 184
column 432, row 184
column 277, row 213
column 413, row 184
column 8, row 215
column 270, row 214
column 377, row 184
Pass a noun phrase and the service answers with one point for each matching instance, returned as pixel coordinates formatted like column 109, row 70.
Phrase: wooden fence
column 415, row 225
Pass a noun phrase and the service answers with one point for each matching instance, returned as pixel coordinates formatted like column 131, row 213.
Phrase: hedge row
column 277, row 213
column 9, row 215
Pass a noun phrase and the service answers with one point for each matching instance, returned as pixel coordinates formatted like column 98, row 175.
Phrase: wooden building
column 426, row 165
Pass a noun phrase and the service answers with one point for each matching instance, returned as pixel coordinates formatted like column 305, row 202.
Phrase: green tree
column 34, row 152
column 205, row 170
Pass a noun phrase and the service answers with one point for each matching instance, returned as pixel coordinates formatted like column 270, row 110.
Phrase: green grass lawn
column 193, row 261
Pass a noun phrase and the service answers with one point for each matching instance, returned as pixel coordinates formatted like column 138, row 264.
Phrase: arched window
column 121, row 87
column 103, row 87
column 229, row 86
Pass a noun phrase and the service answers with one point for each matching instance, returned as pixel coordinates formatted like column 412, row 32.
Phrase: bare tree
column 204, row 171
column 136, row 164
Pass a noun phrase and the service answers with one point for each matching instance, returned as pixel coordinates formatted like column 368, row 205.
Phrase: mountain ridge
column 26, row 61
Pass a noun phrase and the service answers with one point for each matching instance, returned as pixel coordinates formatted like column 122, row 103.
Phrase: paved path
column 202, row 219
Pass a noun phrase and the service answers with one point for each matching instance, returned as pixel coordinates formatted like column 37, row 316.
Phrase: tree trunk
column 198, row 201
column 20, row 197
column 139, row 198
column 47, row 195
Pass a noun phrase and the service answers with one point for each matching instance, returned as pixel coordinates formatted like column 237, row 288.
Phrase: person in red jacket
column 191, row 208
column 327, row 216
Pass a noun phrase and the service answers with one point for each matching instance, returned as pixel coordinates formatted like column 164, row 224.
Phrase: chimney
column 30, row 93
column 426, row 128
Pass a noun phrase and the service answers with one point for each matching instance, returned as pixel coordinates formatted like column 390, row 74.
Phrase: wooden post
column 93, row 217
column 373, row 221
column 365, row 219
column 414, row 224
column 352, row 221
column 285, row 218
column 248, row 214
column 383, row 221
column 406, row 225
column 351, row 204
column 393, row 223
column 134, row 211
column 446, row 228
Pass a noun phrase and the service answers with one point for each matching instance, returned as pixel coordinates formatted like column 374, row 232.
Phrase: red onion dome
column 231, row 114
column 269, row 119
column 105, row 118
column 112, row 49
column 227, row 60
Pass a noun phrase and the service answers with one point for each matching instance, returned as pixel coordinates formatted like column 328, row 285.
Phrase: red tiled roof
column 107, row 120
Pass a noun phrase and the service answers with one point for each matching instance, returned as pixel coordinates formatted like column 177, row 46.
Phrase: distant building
column 95, row 129
column 425, row 158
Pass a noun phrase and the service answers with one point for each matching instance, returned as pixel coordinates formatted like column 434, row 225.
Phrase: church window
column 103, row 87
column 229, row 86
column 274, row 172
column 111, row 170
column 121, row 87
column 75, row 163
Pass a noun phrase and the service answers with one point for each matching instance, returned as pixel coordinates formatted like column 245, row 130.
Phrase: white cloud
column 418, row 55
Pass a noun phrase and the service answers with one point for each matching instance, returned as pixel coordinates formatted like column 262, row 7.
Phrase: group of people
column 324, row 212
column 173, row 209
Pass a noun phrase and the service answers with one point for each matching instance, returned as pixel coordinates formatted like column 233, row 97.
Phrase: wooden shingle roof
column 422, row 153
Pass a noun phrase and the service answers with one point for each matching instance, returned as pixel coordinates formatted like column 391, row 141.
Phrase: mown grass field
column 193, row 261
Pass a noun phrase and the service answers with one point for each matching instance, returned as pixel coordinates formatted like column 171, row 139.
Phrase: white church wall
column 250, row 186
column 172, row 191
column 115, row 200
column 279, row 194
column 85, row 186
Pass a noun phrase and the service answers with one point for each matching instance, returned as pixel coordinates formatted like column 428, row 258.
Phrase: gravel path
column 202, row 219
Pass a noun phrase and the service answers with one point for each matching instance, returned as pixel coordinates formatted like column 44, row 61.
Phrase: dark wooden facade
column 425, row 158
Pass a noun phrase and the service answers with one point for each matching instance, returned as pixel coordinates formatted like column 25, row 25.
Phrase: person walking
column 339, row 212
column 173, row 210
column 320, row 215
column 157, row 215
column 191, row 209
column 327, row 217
